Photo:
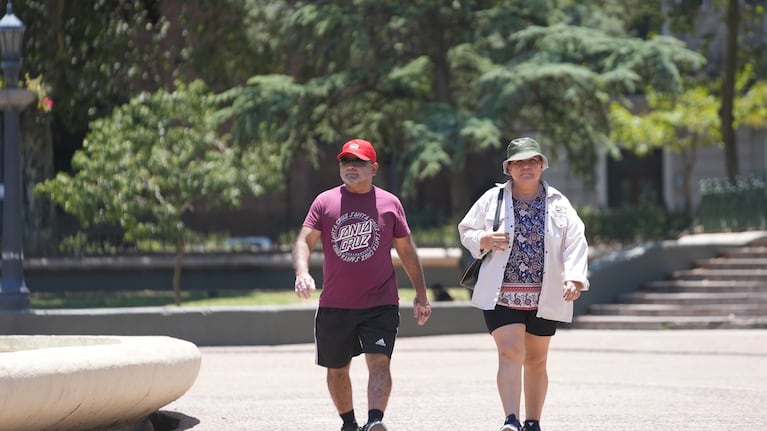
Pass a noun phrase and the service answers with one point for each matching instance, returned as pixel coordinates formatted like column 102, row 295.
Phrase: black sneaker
column 531, row 426
column 374, row 426
column 354, row 427
column 511, row 424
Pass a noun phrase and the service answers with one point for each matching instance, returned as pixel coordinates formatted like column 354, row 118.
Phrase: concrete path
column 599, row 380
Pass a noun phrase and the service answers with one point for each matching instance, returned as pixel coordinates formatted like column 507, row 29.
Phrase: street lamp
column 14, row 294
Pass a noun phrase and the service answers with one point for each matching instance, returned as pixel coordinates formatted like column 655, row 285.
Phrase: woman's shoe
column 511, row 424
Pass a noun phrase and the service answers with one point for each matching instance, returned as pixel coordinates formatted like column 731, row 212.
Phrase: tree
column 686, row 122
column 149, row 163
column 434, row 83
column 742, row 22
column 96, row 55
column 562, row 79
column 743, row 50
column 681, row 124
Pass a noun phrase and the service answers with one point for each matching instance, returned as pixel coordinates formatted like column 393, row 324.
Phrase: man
column 359, row 307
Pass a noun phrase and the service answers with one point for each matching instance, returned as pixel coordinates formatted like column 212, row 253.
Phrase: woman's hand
column 494, row 241
column 572, row 290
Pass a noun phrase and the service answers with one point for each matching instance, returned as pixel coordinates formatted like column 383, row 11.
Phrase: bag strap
column 497, row 221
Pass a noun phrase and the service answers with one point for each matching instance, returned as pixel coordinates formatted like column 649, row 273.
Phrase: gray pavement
column 599, row 380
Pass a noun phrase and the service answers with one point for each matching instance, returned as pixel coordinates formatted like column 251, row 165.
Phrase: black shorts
column 502, row 316
column 341, row 334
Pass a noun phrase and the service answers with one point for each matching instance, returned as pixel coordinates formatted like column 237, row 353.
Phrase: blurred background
column 170, row 126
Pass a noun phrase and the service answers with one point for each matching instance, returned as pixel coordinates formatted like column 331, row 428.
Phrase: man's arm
column 302, row 251
column 412, row 266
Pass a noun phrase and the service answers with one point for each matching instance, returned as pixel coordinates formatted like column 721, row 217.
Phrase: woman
column 536, row 267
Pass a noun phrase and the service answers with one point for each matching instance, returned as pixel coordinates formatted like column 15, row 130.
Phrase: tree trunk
column 459, row 192
column 177, row 270
column 728, row 90
column 458, row 185
column 688, row 157
column 439, row 57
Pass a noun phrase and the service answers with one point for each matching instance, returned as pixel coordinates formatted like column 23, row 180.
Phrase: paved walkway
column 599, row 380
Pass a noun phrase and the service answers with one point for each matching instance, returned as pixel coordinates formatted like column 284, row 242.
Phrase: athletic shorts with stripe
column 341, row 334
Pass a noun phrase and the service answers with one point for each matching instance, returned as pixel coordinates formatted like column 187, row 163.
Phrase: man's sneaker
column 511, row 424
column 531, row 426
column 374, row 426
column 354, row 427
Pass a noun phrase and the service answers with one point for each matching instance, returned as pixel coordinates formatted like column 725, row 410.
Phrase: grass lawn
column 193, row 299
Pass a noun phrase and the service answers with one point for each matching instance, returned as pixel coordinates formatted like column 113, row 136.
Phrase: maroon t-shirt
column 357, row 238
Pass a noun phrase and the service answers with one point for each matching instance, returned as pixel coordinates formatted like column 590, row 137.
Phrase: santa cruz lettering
column 355, row 237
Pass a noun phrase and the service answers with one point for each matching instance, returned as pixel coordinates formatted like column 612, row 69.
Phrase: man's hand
column 421, row 310
column 304, row 285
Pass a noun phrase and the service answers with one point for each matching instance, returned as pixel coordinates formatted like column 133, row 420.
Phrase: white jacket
column 565, row 245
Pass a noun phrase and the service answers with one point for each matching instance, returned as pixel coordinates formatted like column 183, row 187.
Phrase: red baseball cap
column 359, row 148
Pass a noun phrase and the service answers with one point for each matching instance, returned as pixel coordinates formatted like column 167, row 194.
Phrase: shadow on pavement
column 172, row 421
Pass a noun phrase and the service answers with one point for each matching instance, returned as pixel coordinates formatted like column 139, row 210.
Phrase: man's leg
column 340, row 388
column 377, row 336
column 379, row 380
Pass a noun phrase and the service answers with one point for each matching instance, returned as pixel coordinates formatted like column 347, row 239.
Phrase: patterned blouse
column 522, row 279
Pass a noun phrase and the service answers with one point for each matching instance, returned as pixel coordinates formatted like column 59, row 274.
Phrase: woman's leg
column 510, row 343
column 536, row 375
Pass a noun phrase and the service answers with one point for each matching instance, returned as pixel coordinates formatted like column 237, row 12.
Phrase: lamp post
column 14, row 294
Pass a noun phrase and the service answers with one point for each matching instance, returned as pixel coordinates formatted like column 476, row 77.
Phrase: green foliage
column 433, row 83
column 444, row 139
column 682, row 122
column 751, row 108
column 151, row 162
column 87, row 54
column 98, row 54
column 562, row 78
column 280, row 118
column 678, row 123
column 685, row 122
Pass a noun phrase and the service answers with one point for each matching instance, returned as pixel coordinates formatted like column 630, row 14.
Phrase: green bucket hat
column 523, row 149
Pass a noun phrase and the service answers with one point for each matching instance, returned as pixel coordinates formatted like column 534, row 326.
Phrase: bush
column 733, row 205
column 631, row 224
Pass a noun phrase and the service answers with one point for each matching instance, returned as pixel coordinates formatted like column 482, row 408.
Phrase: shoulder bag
column 471, row 273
